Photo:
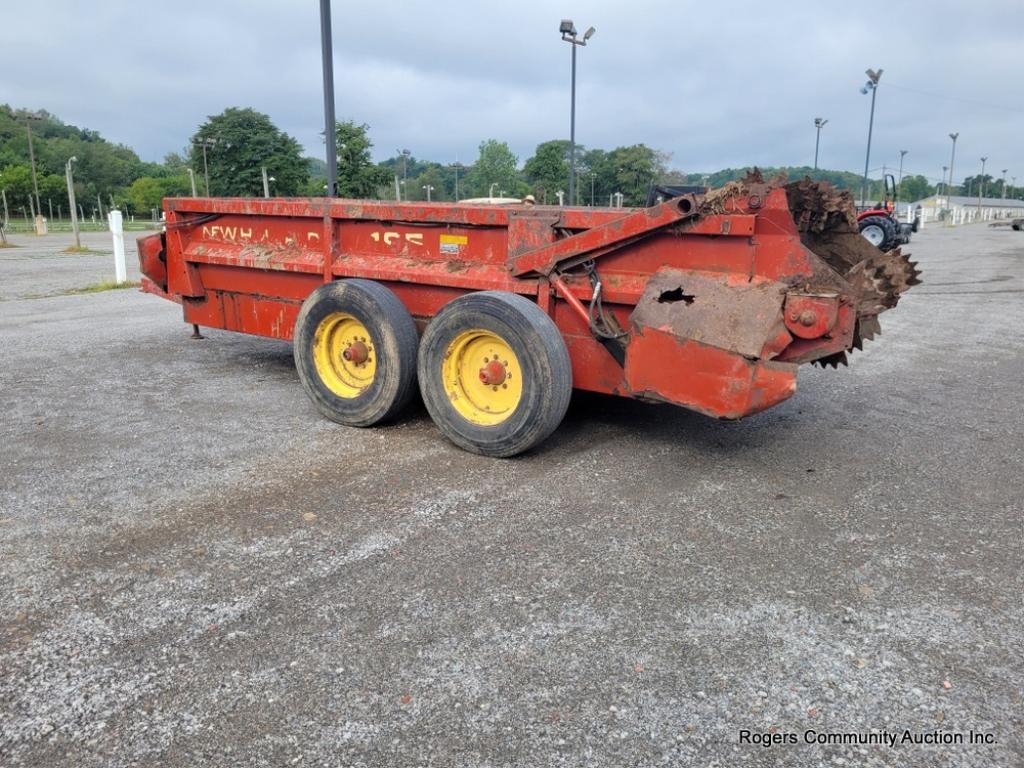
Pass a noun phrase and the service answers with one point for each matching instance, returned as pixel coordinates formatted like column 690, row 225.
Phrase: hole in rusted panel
column 674, row 295
column 685, row 205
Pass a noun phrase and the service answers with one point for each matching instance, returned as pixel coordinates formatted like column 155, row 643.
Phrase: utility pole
column 69, row 177
column 592, row 177
column 899, row 183
column 456, row 180
column 981, row 183
column 819, row 123
column 429, row 189
column 406, row 154
column 872, row 86
column 952, row 159
column 330, row 125
column 568, row 30
column 266, row 182
column 943, row 189
column 192, row 180
column 205, row 144
column 32, row 160
column 1004, row 182
column 7, row 213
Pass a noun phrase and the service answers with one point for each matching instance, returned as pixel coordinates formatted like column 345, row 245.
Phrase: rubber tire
column 547, row 372
column 397, row 343
column 890, row 237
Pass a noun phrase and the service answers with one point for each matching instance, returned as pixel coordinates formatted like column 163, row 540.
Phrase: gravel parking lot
column 199, row 570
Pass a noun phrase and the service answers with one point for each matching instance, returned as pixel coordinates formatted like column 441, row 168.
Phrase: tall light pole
column 327, row 54
column 943, row 189
column 428, row 189
column 490, row 190
column 192, row 179
column 404, row 154
column 981, row 183
column 870, row 86
column 568, row 30
column 205, row 144
column 903, row 153
column 952, row 160
column 70, row 178
column 1004, row 182
column 456, row 181
column 266, row 182
column 819, row 123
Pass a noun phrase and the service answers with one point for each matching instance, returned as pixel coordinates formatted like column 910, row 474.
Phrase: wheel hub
column 357, row 352
column 493, row 373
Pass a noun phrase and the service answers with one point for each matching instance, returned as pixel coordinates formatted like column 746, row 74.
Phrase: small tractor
column 879, row 224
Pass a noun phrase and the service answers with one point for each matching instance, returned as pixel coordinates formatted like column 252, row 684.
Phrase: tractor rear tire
column 355, row 348
column 880, row 231
column 494, row 373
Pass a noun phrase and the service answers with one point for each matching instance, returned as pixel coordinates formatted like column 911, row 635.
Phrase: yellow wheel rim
column 345, row 355
column 482, row 377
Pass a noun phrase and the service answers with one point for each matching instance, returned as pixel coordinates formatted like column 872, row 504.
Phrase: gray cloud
column 715, row 84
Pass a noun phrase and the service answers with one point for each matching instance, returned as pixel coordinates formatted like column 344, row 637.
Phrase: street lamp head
column 873, row 77
column 567, row 27
column 984, row 159
column 954, row 136
column 819, row 122
column 588, row 34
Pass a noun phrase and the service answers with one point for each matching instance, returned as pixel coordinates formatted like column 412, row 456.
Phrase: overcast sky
column 716, row 84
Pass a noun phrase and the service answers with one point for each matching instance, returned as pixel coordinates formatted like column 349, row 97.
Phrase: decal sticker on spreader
column 453, row 243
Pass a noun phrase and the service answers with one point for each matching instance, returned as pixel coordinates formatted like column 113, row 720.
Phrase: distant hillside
column 101, row 168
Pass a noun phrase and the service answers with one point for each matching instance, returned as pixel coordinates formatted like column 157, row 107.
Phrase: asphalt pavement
column 197, row 569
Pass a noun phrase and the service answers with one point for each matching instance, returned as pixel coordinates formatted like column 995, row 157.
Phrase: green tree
column 636, row 168
column 240, row 143
column 495, row 168
column 146, row 193
column 53, row 189
column 358, row 175
column 915, row 188
column 16, row 180
column 548, row 170
column 433, row 175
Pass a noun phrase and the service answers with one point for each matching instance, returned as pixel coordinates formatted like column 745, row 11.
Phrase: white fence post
column 116, row 228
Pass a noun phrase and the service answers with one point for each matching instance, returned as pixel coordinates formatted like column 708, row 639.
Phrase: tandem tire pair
column 492, row 367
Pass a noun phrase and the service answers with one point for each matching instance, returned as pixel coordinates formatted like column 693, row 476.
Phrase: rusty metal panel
column 721, row 310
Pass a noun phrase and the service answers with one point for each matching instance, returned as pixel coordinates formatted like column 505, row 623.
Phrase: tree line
column 240, row 143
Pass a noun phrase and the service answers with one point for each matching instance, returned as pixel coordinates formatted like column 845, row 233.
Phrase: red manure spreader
column 495, row 313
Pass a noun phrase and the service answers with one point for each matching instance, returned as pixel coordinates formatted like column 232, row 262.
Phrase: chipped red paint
column 720, row 297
